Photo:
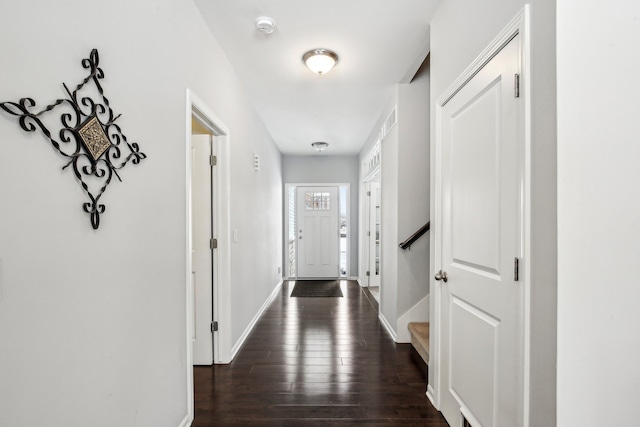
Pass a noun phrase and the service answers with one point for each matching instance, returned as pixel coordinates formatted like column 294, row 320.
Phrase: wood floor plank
column 317, row 362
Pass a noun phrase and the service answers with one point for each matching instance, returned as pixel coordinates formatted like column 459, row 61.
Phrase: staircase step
column 420, row 338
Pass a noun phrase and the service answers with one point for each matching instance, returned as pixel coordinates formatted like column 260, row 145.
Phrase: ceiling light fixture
column 320, row 145
column 265, row 25
column 320, row 61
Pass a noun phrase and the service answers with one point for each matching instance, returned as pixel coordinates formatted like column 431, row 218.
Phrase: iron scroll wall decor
column 88, row 135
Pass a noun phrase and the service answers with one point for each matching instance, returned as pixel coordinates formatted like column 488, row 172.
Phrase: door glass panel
column 317, row 201
column 308, row 201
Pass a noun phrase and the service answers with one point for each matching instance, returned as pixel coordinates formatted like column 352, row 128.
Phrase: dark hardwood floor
column 317, row 362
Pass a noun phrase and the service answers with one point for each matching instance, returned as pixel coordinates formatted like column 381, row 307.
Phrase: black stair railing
column 415, row 236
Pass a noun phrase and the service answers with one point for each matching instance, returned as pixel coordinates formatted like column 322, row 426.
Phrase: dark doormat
column 317, row 288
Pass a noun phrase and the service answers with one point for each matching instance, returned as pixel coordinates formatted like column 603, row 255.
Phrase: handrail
column 415, row 236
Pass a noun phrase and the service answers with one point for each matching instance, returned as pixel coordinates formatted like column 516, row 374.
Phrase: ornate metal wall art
column 88, row 135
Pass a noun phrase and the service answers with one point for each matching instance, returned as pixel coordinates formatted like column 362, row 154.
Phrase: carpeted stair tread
column 420, row 338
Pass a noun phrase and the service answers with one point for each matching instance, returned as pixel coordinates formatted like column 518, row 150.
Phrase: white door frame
column 311, row 237
column 204, row 258
column 518, row 25
column 369, row 170
column 365, row 216
column 295, row 185
column 222, row 294
column 372, row 215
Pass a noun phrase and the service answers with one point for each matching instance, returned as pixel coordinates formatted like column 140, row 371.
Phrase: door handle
column 441, row 275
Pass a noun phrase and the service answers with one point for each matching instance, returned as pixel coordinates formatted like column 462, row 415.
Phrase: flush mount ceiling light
column 320, row 146
column 266, row 25
column 320, row 61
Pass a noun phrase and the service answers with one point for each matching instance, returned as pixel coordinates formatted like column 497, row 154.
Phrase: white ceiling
column 379, row 42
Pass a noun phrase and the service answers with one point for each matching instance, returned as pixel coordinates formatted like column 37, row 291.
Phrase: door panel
column 482, row 326
column 202, row 259
column 318, row 242
column 473, row 332
column 326, row 241
column 475, row 174
column 309, row 242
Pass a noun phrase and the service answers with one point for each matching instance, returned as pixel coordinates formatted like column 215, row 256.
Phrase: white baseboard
column 186, row 422
column 417, row 313
column 387, row 326
column 431, row 396
column 247, row 331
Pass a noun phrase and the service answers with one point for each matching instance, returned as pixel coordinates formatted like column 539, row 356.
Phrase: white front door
column 317, row 232
column 482, row 137
column 201, row 251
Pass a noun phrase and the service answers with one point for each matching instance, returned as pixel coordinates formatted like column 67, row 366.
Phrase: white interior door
column 318, row 232
column 482, row 133
column 202, row 255
column 374, row 233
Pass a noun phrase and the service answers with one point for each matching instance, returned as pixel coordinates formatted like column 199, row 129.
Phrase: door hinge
column 369, row 193
column 213, row 160
column 213, row 243
column 368, row 273
column 214, row 326
column 516, row 92
column 368, row 233
column 516, row 269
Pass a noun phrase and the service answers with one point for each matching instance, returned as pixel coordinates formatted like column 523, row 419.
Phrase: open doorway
column 207, row 248
column 371, row 221
column 203, row 240
column 375, row 217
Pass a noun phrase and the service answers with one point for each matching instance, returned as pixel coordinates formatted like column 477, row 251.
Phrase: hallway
column 316, row 362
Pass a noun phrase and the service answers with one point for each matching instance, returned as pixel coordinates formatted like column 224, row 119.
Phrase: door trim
column 364, row 218
column 334, row 215
column 520, row 24
column 204, row 293
column 371, row 214
column 222, row 291
column 295, row 185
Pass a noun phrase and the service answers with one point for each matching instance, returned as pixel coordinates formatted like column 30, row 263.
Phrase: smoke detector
column 266, row 25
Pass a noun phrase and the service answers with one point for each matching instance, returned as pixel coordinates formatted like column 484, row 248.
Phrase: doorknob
column 441, row 275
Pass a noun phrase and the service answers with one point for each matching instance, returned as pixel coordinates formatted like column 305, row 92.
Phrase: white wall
column 256, row 212
column 404, row 172
column 322, row 169
column 92, row 323
column 413, row 191
column 598, row 212
column 460, row 31
column 389, row 182
column 364, row 199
